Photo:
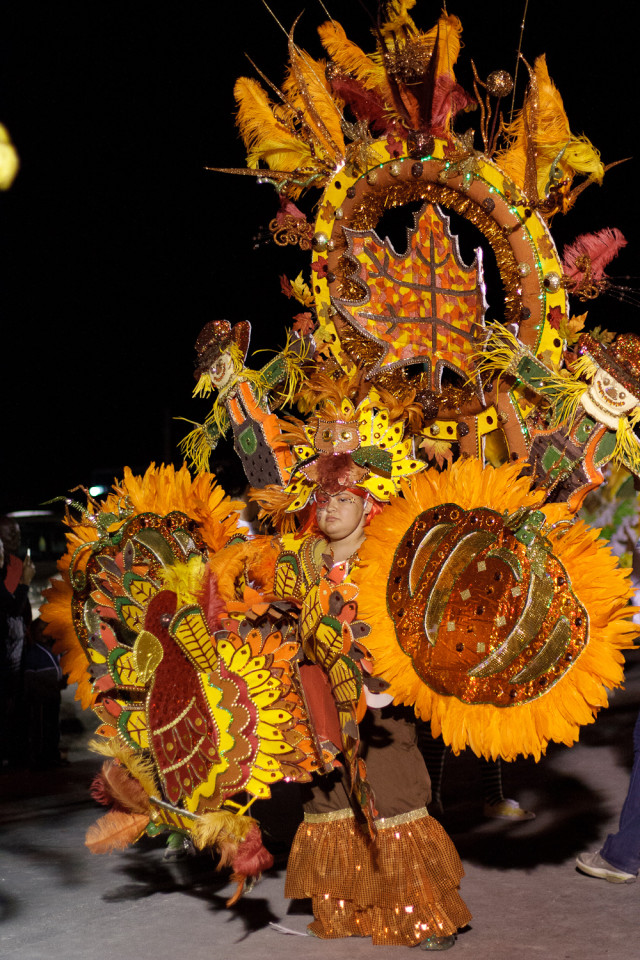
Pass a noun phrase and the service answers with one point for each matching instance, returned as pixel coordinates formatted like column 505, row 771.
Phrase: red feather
column 114, row 785
column 99, row 792
column 252, row 856
column 449, row 98
column 250, row 860
column 211, row 602
column 365, row 104
column 600, row 248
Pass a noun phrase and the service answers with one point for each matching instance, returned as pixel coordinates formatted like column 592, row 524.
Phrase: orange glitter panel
column 424, row 304
column 481, row 618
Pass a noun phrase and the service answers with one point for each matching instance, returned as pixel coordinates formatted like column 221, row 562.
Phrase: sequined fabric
column 399, row 889
column 484, row 615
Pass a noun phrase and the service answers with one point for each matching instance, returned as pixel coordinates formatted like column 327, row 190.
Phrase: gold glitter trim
column 388, row 823
column 330, row 817
column 382, row 823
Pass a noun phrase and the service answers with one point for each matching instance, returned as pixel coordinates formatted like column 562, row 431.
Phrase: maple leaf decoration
column 285, row 285
column 426, row 307
column 571, row 328
column 304, row 323
column 605, row 337
column 555, row 316
column 321, row 266
column 545, row 247
column 439, row 450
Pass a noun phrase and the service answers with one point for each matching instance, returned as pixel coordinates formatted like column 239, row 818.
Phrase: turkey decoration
column 192, row 672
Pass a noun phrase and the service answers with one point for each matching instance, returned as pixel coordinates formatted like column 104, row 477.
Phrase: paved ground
column 528, row 901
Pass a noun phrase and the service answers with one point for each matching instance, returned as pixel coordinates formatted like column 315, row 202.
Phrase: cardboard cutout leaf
column 426, row 307
column 140, row 589
column 123, row 668
column 190, row 629
column 134, row 722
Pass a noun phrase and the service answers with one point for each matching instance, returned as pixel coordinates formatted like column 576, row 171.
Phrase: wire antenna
column 518, row 55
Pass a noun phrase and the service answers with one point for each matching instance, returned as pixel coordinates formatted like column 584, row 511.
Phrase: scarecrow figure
column 589, row 415
column 242, row 403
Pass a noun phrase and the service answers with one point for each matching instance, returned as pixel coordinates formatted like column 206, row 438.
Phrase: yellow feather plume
column 185, row 579
column 449, row 43
column 212, row 829
column 306, row 89
column 265, row 137
column 550, row 137
column 350, row 58
column 399, row 22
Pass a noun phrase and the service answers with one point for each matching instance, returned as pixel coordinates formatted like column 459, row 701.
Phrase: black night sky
column 117, row 245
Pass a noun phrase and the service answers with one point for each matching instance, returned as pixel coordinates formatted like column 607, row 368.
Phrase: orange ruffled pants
column 401, row 887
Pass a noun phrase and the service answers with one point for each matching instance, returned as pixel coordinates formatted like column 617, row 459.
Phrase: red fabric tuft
column 252, row 856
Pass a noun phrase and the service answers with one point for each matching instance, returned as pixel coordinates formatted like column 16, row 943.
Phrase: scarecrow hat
column 216, row 337
column 621, row 359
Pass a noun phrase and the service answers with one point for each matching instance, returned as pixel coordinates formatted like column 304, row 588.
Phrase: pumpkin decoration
column 491, row 622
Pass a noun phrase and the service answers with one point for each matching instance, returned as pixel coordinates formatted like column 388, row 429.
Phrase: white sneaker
column 596, row 866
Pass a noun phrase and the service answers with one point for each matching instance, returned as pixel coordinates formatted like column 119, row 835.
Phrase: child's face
column 340, row 515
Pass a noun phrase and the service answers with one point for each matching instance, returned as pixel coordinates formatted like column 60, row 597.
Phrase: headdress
column 346, row 442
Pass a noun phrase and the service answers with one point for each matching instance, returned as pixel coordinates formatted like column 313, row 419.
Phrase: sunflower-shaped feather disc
column 490, row 623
